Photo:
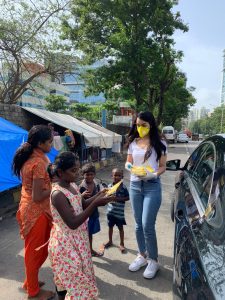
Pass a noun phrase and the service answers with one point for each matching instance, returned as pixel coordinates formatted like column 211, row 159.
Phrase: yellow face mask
column 143, row 131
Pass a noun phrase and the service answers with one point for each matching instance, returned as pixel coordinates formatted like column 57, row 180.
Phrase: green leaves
column 56, row 103
column 27, row 35
column 135, row 39
column 84, row 110
column 215, row 123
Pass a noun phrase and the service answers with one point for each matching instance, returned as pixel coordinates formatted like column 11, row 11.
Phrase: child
column 69, row 250
column 88, row 188
column 115, row 209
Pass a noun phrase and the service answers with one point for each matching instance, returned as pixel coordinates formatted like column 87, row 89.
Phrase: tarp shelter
column 92, row 136
column 117, row 138
column 11, row 137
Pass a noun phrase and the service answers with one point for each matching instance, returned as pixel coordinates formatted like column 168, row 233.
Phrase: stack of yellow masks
column 141, row 171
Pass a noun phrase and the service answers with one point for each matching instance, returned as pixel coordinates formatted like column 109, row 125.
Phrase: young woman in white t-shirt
column 147, row 150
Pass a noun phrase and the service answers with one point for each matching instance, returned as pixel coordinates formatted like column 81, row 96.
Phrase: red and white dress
column 69, row 253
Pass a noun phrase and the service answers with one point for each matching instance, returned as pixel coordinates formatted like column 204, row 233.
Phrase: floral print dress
column 69, row 253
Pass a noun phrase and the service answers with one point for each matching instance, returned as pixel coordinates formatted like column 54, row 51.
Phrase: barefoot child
column 89, row 188
column 69, row 249
column 115, row 209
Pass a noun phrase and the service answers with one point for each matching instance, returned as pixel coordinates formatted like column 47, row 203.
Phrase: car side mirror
column 173, row 165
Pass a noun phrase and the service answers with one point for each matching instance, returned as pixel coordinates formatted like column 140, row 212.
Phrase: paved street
column 113, row 278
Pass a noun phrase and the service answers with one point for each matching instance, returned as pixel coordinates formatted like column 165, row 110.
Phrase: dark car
column 198, row 211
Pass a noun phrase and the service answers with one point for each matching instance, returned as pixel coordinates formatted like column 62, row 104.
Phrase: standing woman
column 34, row 216
column 147, row 150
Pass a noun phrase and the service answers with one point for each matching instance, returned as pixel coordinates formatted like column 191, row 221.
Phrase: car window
column 203, row 172
column 194, row 159
column 200, row 166
column 168, row 131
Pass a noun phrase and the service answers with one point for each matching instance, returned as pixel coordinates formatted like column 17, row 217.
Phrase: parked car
column 198, row 212
column 182, row 138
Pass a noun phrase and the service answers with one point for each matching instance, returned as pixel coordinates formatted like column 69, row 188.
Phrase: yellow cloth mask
column 143, row 131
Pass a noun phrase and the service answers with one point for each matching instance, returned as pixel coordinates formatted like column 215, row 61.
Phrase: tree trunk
column 160, row 110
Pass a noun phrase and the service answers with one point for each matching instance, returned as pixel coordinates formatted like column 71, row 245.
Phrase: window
column 194, row 159
column 165, row 131
column 202, row 172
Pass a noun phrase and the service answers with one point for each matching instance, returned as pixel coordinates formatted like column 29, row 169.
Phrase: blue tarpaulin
column 11, row 137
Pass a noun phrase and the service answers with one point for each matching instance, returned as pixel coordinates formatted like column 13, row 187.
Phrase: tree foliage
column 29, row 45
column 134, row 38
column 93, row 112
column 80, row 109
column 178, row 100
column 112, row 108
column 56, row 103
column 213, row 124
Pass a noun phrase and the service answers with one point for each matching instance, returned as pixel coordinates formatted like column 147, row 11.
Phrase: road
column 114, row 280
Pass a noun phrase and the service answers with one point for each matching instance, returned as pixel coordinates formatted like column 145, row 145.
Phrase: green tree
column 29, row 45
column 56, row 103
column 80, row 110
column 111, row 107
column 177, row 101
column 135, row 40
column 213, row 124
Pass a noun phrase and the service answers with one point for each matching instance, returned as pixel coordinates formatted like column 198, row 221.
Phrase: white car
column 182, row 138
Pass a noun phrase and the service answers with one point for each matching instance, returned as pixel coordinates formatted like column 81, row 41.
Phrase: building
column 39, row 88
column 193, row 115
column 74, row 82
column 203, row 112
column 196, row 114
column 223, row 81
column 126, row 116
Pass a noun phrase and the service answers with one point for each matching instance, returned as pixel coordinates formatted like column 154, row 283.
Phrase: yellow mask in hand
column 143, row 131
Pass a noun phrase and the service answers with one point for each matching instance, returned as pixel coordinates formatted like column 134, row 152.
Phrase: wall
column 120, row 129
column 16, row 115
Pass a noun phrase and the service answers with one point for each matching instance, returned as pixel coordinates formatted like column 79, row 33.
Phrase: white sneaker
column 151, row 269
column 138, row 263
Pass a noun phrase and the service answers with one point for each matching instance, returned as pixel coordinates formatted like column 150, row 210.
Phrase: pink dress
column 69, row 253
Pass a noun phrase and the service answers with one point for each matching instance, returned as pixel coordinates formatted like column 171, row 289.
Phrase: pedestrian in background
column 34, row 216
column 89, row 188
column 146, row 160
column 115, row 209
column 69, row 249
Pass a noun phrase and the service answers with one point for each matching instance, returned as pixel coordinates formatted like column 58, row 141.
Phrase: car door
column 210, row 238
column 189, row 278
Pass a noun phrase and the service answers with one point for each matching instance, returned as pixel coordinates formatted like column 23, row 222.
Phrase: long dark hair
column 154, row 137
column 63, row 161
column 37, row 134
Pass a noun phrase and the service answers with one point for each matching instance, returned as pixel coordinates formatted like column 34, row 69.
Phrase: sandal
column 107, row 245
column 97, row 254
column 122, row 249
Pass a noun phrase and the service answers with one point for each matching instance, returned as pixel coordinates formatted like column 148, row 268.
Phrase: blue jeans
column 146, row 199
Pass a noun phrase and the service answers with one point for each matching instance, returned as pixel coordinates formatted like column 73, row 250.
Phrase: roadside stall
column 88, row 140
column 116, row 138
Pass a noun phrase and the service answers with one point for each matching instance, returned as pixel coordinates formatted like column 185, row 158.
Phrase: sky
column 203, row 47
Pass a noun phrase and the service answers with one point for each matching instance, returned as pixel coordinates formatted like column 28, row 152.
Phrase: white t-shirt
column 138, row 155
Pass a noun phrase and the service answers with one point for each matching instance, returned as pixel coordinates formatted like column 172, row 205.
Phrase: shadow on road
column 161, row 283
column 119, row 292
